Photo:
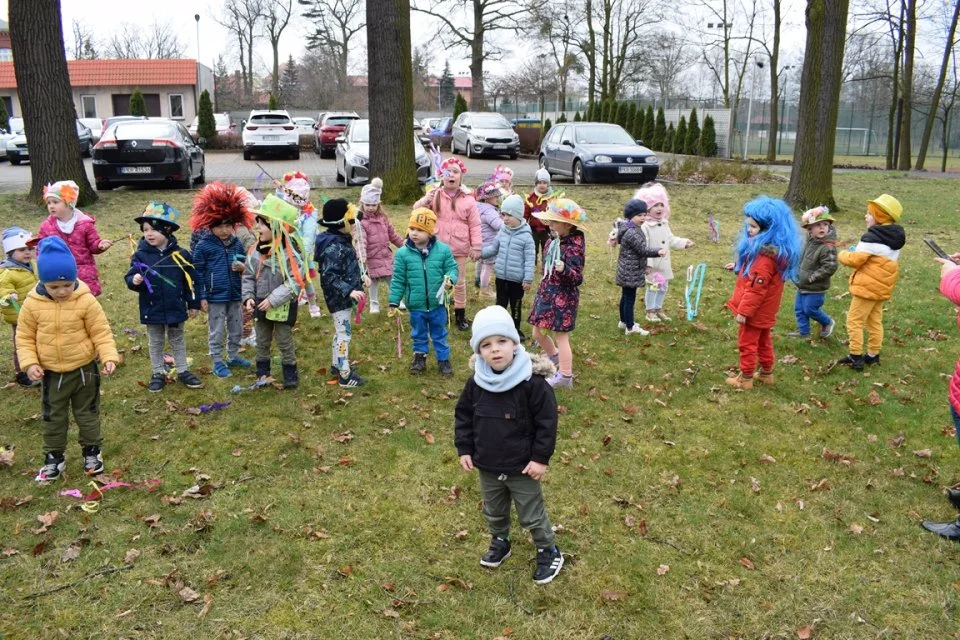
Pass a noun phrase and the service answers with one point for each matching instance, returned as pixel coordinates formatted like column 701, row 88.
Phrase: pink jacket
column 84, row 244
column 458, row 221
column 950, row 287
column 379, row 235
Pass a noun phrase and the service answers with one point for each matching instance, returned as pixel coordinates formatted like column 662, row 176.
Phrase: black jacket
column 171, row 294
column 339, row 269
column 504, row 431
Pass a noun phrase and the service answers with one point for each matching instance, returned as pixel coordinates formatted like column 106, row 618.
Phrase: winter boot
column 290, row 376
column 445, row 368
column 740, row 382
column 263, row 368
column 764, row 377
column 461, row 316
column 419, row 364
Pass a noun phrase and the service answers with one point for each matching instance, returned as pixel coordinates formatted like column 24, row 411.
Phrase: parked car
column 352, row 155
column 270, row 132
column 441, row 133
column 95, row 125
column 223, row 122
column 305, row 125
column 596, row 152
column 18, row 151
column 108, row 122
column 147, row 152
column 329, row 127
column 481, row 132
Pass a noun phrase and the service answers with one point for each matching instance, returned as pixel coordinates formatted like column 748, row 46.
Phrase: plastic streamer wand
column 399, row 336
column 444, row 296
column 695, row 277
column 7, row 301
column 714, row 229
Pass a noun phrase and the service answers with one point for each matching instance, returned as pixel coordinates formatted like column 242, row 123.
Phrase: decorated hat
column 337, row 212
column 563, row 210
column 66, row 190
column 815, row 215
column 159, row 214
column 16, row 238
column 453, row 162
column 423, row 219
column 274, row 209
column 370, row 193
column 294, row 188
column 221, row 203
column 890, row 206
column 487, row 190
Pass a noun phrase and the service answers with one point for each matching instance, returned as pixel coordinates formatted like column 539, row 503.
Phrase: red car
column 329, row 127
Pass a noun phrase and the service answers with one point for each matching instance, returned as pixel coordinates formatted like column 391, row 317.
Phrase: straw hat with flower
column 564, row 210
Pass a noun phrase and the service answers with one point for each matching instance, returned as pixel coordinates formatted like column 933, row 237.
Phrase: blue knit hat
column 55, row 263
column 492, row 321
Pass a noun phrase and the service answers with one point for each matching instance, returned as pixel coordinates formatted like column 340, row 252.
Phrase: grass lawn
column 346, row 515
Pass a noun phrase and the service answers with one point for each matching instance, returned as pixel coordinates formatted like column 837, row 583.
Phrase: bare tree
column 159, row 42
column 909, row 50
column 84, row 44
column 773, row 53
column 484, row 18
column 946, row 106
column 663, row 66
column 949, row 42
column 336, row 22
column 553, row 24
column 420, row 64
column 811, row 178
column 40, row 66
column 318, row 82
column 276, row 17
column 242, row 20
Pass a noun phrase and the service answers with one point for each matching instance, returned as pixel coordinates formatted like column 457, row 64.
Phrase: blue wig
column 778, row 230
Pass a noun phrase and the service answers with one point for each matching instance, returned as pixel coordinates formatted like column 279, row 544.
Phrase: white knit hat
column 370, row 194
column 492, row 321
column 15, row 238
column 542, row 175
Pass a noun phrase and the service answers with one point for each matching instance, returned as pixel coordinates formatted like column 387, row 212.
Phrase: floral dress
column 557, row 299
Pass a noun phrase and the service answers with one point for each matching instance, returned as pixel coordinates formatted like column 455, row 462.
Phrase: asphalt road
column 230, row 166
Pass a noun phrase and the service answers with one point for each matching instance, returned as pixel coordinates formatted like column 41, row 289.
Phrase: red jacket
column 535, row 202
column 757, row 296
column 950, row 287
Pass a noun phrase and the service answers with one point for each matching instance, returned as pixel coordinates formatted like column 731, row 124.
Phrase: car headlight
column 11, row 145
column 602, row 159
column 652, row 160
column 479, row 138
column 422, row 160
column 358, row 159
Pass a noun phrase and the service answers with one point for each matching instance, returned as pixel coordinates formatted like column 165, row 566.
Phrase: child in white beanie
column 537, row 201
column 374, row 235
column 509, row 437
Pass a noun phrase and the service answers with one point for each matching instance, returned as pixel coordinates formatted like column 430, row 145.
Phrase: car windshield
column 303, row 120
column 142, row 130
column 360, row 132
column 16, row 125
column 490, row 122
column 221, row 119
column 270, row 118
column 339, row 121
column 603, row 135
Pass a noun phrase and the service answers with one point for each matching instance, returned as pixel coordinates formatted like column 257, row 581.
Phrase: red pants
column 755, row 343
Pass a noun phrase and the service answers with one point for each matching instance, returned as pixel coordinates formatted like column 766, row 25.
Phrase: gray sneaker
column 827, row 331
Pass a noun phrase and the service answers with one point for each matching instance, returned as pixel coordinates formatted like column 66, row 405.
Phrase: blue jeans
column 628, row 299
column 956, row 422
column 654, row 298
column 432, row 324
column 809, row 306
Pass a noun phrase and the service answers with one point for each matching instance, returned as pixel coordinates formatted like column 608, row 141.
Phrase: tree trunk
column 907, row 108
column 40, row 66
column 811, row 179
column 774, row 86
column 275, row 85
column 892, row 129
column 946, row 139
column 947, row 50
column 390, row 72
column 476, row 58
column 250, row 39
column 591, row 55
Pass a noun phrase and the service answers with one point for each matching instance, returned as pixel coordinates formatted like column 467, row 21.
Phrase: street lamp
column 196, row 17
column 753, row 94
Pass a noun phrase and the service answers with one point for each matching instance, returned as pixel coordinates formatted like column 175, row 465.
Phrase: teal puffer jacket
column 418, row 275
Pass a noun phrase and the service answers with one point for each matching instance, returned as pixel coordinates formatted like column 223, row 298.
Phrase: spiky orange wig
column 219, row 203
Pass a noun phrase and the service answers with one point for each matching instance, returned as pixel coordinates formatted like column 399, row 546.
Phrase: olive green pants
column 527, row 495
column 79, row 389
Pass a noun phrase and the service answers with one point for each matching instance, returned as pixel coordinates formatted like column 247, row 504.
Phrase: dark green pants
column 79, row 389
column 527, row 495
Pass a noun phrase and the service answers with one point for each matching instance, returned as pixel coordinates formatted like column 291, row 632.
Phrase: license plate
column 271, row 138
column 631, row 169
column 135, row 169
column 499, row 146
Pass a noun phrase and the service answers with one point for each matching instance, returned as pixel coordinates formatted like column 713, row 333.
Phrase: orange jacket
column 757, row 295
column 874, row 261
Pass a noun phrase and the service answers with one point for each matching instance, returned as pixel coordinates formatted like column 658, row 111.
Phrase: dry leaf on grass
column 747, row 563
column 46, row 520
column 460, row 535
column 874, row 398
column 9, row 551
column 207, row 605
column 427, row 436
column 767, row 459
column 130, row 556
column 662, row 569
column 71, row 553
column 856, row 529
column 6, row 455
column 805, row 632
column 839, row 458
column 611, row 595
column 188, row 595
column 391, row 613
column 923, row 453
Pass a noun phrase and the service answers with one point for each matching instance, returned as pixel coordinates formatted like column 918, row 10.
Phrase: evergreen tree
column 459, row 106
column 546, row 126
column 289, row 83
column 207, row 126
column 4, row 116
column 137, row 105
column 576, row 117
column 708, row 138
column 636, row 124
column 604, row 112
column 272, row 103
column 668, row 139
column 648, row 124
column 562, row 118
column 659, row 131
column 680, row 138
column 446, row 88
column 631, row 114
column 691, row 144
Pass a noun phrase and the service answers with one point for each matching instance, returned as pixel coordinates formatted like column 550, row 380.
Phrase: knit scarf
column 67, row 227
column 520, row 370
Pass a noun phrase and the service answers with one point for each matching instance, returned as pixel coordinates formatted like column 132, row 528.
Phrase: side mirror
column 567, row 143
column 466, row 126
column 639, row 142
column 340, row 139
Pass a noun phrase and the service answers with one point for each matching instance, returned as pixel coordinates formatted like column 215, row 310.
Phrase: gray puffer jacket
column 264, row 278
column 632, row 263
column 515, row 252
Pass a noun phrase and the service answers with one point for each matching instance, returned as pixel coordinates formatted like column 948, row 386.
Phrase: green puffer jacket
column 817, row 264
column 418, row 275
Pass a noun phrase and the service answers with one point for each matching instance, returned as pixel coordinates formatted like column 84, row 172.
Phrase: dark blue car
column 596, row 152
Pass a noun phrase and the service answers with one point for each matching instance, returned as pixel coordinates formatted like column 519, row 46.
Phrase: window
column 567, row 135
column 176, row 105
column 88, row 105
column 554, row 135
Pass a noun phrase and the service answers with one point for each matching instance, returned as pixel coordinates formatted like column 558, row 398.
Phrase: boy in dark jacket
column 818, row 263
column 219, row 261
column 632, row 262
column 506, row 426
column 341, row 282
column 163, row 274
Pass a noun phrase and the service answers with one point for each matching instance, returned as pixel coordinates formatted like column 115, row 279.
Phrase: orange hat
column 423, row 219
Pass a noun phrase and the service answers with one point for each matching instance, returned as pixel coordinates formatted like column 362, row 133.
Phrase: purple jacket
column 380, row 234
column 490, row 224
column 84, row 244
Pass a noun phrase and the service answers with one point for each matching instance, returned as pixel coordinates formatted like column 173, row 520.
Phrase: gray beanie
column 542, row 175
column 492, row 321
column 513, row 205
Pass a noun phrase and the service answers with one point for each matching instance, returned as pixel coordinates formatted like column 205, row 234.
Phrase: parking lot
column 230, row 166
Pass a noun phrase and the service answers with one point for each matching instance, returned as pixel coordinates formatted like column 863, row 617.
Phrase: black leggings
column 510, row 297
column 628, row 299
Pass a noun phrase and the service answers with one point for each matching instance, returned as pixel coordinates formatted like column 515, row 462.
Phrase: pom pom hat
column 66, row 190
column 492, row 321
column 221, row 203
column 654, row 193
column 15, row 238
column 370, row 194
column 423, row 219
column 55, row 262
column 563, row 210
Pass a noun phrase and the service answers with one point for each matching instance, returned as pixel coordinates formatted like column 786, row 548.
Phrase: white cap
column 15, row 238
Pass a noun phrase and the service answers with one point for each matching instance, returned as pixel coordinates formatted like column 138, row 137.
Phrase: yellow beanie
column 423, row 219
column 885, row 209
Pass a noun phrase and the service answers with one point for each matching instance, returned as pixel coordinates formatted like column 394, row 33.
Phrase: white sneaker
column 637, row 329
column 653, row 317
column 314, row 310
column 374, row 307
column 621, row 325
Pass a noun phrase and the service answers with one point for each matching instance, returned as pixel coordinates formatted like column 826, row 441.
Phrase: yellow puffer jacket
column 14, row 279
column 64, row 336
column 873, row 277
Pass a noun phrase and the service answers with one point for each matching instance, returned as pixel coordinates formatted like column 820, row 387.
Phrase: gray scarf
column 520, row 370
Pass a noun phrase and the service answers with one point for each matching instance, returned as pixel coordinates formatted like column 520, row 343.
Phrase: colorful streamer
column 695, row 277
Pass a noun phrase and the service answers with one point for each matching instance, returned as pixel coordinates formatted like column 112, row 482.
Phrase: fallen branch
column 62, row 587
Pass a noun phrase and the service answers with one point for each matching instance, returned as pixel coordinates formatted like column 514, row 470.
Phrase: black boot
column 419, row 364
column 852, row 361
column 263, row 368
column 461, row 316
column 948, row 530
column 953, row 495
column 290, row 376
